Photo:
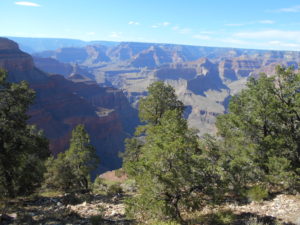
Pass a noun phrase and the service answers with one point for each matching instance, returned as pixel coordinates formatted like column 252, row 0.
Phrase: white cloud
column 295, row 8
column 115, row 35
column 267, row 21
column 133, row 23
column 201, row 37
column 249, row 23
column 206, row 32
column 234, row 41
column 91, row 33
column 274, row 42
column 32, row 4
column 270, row 34
column 234, row 24
column 184, row 30
column 181, row 30
column 163, row 24
column 284, row 44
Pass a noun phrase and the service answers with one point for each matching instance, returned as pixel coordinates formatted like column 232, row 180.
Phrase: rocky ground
column 97, row 209
column 285, row 208
column 67, row 209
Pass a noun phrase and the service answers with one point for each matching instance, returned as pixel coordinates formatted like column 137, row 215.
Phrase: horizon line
column 162, row 43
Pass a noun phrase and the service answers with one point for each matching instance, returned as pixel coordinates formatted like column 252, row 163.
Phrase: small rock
column 59, row 204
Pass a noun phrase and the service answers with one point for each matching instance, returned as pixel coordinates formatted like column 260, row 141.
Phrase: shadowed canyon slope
column 204, row 77
column 61, row 104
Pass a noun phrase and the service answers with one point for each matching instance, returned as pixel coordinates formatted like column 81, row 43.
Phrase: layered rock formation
column 204, row 78
column 61, row 104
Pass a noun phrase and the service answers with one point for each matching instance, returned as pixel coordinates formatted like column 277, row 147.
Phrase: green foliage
column 254, row 221
column 132, row 154
column 59, row 175
column 99, row 186
column 172, row 174
column 114, row 189
column 261, row 132
column 222, row 218
column 160, row 99
column 129, row 186
column 81, row 156
column 155, row 222
column 96, row 220
column 23, row 148
column 71, row 170
column 257, row 193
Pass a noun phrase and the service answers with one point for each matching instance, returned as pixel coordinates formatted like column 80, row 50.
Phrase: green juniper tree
column 170, row 170
column 81, row 156
column 71, row 170
column 160, row 99
column 23, row 148
column 261, row 132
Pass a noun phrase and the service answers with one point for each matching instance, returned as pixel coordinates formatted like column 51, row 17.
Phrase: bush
column 70, row 199
column 164, row 223
column 257, row 193
column 114, row 189
column 99, row 186
column 95, row 220
column 254, row 221
column 98, row 219
column 70, row 171
column 129, row 186
column 222, row 218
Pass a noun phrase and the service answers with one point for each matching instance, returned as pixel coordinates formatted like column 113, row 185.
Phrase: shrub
column 70, row 171
column 222, row 218
column 95, row 220
column 254, row 221
column 114, row 189
column 129, row 186
column 99, row 186
column 164, row 223
column 257, row 193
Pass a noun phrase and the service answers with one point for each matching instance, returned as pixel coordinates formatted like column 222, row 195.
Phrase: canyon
column 100, row 84
column 205, row 78
column 61, row 104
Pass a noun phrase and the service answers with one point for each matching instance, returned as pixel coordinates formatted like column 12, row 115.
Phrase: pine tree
column 81, row 156
column 160, row 99
column 23, row 148
column 171, row 172
column 71, row 170
column 261, row 132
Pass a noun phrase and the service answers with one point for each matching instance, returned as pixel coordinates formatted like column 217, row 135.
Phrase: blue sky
column 262, row 24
